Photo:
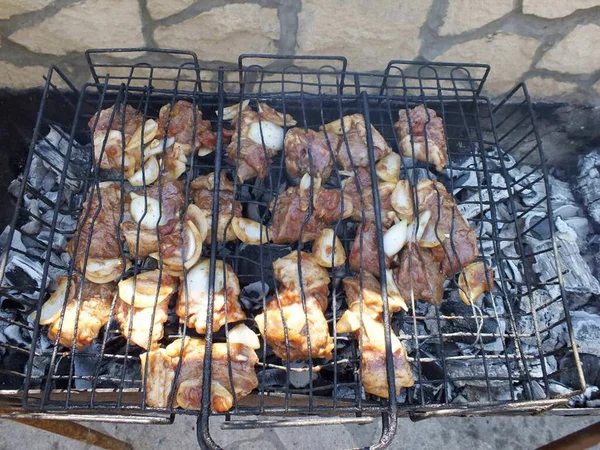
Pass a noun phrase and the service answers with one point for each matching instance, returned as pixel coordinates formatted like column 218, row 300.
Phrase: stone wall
column 551, row 44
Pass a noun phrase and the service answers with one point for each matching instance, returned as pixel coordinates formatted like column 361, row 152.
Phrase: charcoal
column 588, row 183
column 34, row 225
column 591, row 370
column 300, row 379
column 23, row 272
column 271, row 377
column 474, row 372
column 253, row 294
column 586, row 329
column 559, row 389
column 37, row 174
column 560, row 193
column 59, row 241
column 554, row 336
column 467, row 324
column 344, row 392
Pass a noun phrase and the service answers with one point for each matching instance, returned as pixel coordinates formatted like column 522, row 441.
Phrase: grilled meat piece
column 192, row 302
column 428, row 137
column 362, row 199
column 352, row 148
column 256, row 138
column 155, row 215
column 140, row 333
column 368, row 327
column 419, row 273
column 293, row 219
column 202, row 193
column 368, row 246
column 93, row 314
column 140, row 297
column 108, row 132
column 309, row 151
column 178, row 122
column 301, row 326
column 162, row 365
column 458, row 246
column 98, row 236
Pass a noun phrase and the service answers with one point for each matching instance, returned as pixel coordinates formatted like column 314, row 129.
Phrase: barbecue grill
column 495, row 157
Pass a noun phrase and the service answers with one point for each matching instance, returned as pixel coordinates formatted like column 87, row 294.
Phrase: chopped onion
column 148, row 174
column 323, row 249
column 249, row 231
column 395, row 238
column 417, row 235
column 388, row 167
column 148, row 205
column 272, row 134
column 347, row 323
column 402, row 200
column 479, row 279
column 150, row 129
column 394, row 296
column 241, row 334
column 230, row 112
column 52, row 308
column 146, row 291
column 101, row 271
column 156, row 147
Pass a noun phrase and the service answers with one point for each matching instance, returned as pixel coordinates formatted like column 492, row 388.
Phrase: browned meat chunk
column 458, row 245
column 202, row 193
column 155, row 215
column 419, row 274
column 308, row 151
column 422, row 136
column 98, row 232
column 88, row 316
column 192, row 302
column 256, row 138
column 364, row 294
column 301, row 326
column 294, row 221
column 162, row 364
column 352, row 149
column 178, row 122
column 362, row 199
column 370, row 255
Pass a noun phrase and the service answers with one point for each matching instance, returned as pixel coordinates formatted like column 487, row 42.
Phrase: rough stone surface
column 223, row 33
column 542, row 87
column 368, row 36
column 552, row 9
column 9, row 8
column 464, row 15
column 450, row 433
column 596, row 87
column 509, row 55
column 577, row 53
column 91, row 24
column 21, row 77
column 159, row 9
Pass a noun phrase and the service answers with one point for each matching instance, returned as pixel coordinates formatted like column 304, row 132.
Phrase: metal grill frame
column 403, row 83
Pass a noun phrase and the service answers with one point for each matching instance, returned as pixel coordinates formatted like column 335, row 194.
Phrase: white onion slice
column 150, row 129
column 52, row 308
column 402, row 200
column 101, row 271
column 272, row 134
column 156, row 147
column 241, row 334
column 146, row 289
column 148, row 205
column 416, row 236
column 348, row 323
column 394, row 296
column 395, row 238
column 388, row 168
column 323, row 249
column 148, row 174
column 249, row 231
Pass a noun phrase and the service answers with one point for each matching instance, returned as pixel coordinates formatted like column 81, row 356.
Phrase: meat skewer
column 309, row 152
column 162, row 365
column 288, row 303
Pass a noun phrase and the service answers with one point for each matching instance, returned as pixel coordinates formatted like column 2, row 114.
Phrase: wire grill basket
column 496, row 347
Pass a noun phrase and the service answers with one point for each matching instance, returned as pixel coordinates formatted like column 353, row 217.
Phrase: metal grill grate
column 487, row 348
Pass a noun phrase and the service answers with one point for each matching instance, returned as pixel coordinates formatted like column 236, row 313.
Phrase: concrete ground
column 447, row 433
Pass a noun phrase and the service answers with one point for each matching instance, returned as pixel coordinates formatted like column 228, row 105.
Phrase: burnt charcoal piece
column 467, row 324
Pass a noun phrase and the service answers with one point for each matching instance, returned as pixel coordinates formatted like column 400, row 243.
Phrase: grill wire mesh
column 492, row 140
